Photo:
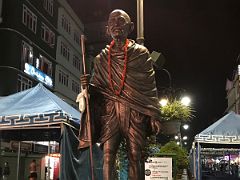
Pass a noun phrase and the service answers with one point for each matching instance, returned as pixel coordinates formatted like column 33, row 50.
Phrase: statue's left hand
column 156, row 126
column 81, row 100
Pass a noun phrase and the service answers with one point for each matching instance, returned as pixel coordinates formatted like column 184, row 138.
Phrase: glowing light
column 163, row 102
column 186, row 101
column 185, row 126
column 185, row 137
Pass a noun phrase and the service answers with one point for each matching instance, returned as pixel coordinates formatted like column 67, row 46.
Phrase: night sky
column 199, row 39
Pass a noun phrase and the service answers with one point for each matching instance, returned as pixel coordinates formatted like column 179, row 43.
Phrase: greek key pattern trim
column 33, row 119
column 217, row 139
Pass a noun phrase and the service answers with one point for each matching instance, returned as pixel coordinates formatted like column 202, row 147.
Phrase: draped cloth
column 139, row 92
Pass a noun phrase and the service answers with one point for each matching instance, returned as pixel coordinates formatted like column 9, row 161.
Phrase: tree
column 181, row 155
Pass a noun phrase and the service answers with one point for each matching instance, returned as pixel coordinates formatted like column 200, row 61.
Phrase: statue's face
column 119, row 25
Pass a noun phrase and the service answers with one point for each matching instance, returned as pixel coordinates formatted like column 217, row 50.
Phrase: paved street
column 185, row 175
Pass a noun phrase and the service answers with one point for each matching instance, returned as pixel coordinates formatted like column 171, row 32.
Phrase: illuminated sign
column 37, row 74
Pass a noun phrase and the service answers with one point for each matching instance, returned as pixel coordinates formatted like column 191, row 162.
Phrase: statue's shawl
column 139, row 91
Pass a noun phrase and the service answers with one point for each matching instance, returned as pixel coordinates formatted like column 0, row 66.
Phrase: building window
column 47, row 35
column 63, row 78
column 44, row 65
column 48, row 6
column 76, row 63
column 29, row 19
column 66, row 24
column 76, row 37
column 27, row 53
column 23, row 83
column 75, row 87
column 65, row 51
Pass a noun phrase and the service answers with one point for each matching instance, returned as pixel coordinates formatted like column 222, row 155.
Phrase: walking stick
column 87, row 106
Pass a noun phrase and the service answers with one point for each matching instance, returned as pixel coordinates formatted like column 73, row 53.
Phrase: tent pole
column 198, row 160
column 194, row 160
column 48, row 167
column 18, row 159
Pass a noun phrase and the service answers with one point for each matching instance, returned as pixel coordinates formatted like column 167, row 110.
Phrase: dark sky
column 199, row 39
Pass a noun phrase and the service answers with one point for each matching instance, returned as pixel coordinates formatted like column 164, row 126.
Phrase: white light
column 184, row 137
column 178, row 143
column 30, row 54
column 186, row 101
column 185, row 126
column 176, row 137
column 37, row 63
column 185, row 143
column 163, row 102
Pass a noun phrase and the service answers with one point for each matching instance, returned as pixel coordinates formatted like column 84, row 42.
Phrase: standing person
column 1, row 172
column 6, row 171
column 124, row 92
column 33, row 169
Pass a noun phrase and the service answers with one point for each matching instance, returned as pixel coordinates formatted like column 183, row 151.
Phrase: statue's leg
column 135, row 144
column 134, row 157
column 110, row 148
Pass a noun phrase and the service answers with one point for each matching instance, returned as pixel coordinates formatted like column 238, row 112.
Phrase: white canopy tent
column 35, row 114
column 224, row 133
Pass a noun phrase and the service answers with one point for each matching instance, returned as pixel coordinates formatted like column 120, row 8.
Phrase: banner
column 158, row 168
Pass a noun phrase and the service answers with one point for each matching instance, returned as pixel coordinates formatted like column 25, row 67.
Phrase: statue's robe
column 139, row 92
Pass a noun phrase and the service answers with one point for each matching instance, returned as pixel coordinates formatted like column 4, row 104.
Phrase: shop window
column 77, row 62
column 65, row 51
column 23, row 83
column 75, row 87
column 47, row 35
column 63, row 78
column 45, row 65
column 27, row 53
column 29, row 19
column 48, row 6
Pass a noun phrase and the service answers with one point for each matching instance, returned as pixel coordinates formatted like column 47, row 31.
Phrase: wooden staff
column 87, row 106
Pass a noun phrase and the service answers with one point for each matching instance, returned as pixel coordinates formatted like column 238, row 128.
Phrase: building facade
column 233, row 93
column 40, row 42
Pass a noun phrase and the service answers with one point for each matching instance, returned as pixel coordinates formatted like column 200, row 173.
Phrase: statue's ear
column 131, row 27
column 107, row 30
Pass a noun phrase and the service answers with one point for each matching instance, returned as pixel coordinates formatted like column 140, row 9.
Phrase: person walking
column 6, row 171
column 33, row 169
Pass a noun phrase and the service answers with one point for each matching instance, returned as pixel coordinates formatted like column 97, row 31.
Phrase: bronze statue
column 124, row 97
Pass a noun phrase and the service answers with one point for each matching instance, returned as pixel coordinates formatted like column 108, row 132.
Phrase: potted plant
column 173, row 114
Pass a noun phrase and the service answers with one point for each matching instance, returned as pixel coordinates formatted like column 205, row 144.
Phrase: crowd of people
column 221, row 168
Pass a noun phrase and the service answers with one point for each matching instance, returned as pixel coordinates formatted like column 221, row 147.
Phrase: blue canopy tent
column 224, row 133
column 37, row 114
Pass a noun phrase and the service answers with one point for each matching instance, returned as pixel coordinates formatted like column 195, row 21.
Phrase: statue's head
column 119, row 25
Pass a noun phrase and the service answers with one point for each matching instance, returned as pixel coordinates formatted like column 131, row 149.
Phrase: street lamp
column 186, row 101
column 185, row 126
column 163, row 102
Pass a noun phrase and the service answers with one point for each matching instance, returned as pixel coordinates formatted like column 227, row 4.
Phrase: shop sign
column 39, row 148
column 37, row 74
column 24, row 146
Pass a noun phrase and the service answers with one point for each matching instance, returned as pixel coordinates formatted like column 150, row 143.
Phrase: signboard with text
column 158, row 168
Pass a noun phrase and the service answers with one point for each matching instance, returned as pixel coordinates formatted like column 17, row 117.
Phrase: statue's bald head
column 119, row 25
column 120, row 12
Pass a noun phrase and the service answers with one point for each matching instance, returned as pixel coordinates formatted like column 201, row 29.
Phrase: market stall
column 224, row 134
column 37, row 114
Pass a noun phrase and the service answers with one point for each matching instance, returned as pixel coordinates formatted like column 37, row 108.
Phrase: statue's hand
column 85, row 80
column 155, row 125
column 81, row 100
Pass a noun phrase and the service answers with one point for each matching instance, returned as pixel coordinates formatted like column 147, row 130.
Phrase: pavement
column 185, row 175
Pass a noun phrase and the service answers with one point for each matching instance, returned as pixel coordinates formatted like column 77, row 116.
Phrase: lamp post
column 173, row 106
